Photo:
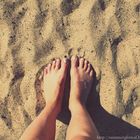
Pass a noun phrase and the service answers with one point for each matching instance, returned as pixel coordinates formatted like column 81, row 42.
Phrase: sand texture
column 106, row 32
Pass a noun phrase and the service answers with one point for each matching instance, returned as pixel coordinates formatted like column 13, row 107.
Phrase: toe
column 53, row 64
column 64, row 64
column 85, row 65
column 58, row 64
column 81, row 62
column 88, row 68
column 91, row 73
column 45, row 71
column 74, row 61
column 49, row 67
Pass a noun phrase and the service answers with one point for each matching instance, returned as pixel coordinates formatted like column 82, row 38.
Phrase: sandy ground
column 106, row 32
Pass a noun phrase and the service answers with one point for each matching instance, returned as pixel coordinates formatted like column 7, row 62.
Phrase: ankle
column 53, row 108
column 75, row 106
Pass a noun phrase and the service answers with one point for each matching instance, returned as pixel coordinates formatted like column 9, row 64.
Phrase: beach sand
column 32, row 32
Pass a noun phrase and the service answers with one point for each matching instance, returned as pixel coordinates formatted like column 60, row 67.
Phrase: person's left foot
column 54, row 83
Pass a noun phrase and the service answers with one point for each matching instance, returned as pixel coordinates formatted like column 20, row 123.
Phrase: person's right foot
column 81, row 81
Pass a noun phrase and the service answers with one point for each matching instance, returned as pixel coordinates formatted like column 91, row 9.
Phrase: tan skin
column 81, row 126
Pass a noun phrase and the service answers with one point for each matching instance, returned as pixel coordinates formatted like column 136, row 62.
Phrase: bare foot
column 81, row 81
column 54, row 82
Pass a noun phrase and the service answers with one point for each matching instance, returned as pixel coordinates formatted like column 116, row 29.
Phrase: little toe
column 88, row 68
column 53, row 65
column 85, row 65
column 43, row 72
column 74, row 61
column 91, row 73
column 58, row 64
column 81, row 63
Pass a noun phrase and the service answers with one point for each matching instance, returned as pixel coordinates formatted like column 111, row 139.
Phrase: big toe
column 74, row 61
column 81, row 62
column 64, row 64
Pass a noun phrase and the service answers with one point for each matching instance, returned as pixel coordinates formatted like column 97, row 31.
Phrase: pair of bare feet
column 81, row 126
column 54, row 79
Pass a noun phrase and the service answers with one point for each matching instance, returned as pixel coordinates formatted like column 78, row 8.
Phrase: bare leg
column 43, row 127
column 81, row 126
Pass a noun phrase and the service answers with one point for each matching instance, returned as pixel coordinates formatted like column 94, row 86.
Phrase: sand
column 106, row 32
